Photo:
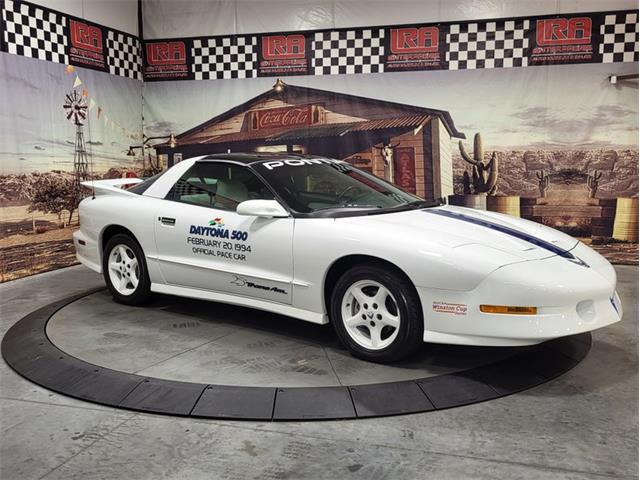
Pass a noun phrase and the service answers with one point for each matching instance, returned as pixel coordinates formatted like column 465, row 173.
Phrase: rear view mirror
column 262, row 208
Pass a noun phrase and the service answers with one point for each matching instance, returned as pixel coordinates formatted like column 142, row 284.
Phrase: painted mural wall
column 565, row 138
column 69, row 113
column 563, row 122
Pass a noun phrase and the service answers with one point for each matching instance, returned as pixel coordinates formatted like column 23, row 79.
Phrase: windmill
column 75, row 107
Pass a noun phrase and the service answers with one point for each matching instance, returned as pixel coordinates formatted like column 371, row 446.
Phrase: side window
column 219, row 185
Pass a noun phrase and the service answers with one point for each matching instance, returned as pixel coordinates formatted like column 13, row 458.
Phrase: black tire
column 411, row 327
column 142, row 292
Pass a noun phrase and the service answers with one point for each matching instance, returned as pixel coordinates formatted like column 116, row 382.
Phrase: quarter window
column 219, row 185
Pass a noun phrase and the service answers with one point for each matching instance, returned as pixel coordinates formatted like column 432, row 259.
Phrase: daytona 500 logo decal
column 218, row 231
column 219, row 241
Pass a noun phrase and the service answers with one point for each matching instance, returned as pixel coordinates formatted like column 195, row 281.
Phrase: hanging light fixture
column 279, row 85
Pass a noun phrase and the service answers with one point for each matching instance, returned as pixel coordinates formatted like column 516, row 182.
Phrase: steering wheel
column 345, row 191
column 323, row 187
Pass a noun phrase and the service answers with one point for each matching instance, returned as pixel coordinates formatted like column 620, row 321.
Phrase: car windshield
column 309, row 185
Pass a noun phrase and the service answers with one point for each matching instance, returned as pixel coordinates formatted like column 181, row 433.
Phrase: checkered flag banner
column 495, row 44
column 225, row 57
column 348, row 51
column 123, row 55
column 619, row 42
column 31, row 31
column 37, row 32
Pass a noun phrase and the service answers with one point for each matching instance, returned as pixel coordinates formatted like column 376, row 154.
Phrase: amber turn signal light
column 510, row 310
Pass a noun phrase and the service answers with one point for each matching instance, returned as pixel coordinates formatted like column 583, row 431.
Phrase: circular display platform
column 194, row 358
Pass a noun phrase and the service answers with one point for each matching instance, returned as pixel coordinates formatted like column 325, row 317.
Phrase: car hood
column 458, row 227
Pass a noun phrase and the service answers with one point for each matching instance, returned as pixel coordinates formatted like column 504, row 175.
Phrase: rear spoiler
column 112, row 186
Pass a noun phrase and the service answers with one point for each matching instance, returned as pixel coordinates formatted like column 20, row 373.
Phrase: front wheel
column 125, row 270
column 376, row 314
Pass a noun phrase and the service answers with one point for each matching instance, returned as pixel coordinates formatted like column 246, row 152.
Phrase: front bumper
column 570, row 299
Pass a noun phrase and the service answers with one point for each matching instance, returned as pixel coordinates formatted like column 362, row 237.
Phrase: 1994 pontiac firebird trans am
column 321, row 241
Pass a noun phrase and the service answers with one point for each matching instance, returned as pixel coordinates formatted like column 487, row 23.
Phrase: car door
column 203, row 243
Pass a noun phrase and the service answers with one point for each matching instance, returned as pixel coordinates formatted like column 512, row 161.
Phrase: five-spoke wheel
column 125, row 270
column 376, row 313
column 370, row 314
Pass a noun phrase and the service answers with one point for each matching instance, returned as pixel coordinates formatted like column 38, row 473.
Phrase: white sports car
column 319, row 240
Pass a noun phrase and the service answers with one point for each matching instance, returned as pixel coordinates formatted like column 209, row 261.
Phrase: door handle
column 167, row 221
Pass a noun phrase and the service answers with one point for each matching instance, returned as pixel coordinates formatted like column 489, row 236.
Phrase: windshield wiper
column 337, row 207
column 422, row 204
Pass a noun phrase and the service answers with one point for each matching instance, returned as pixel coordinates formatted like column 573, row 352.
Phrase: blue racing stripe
column 506, row 230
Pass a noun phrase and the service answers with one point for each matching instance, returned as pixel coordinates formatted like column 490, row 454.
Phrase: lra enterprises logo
column 414, row 40
column 166, row 60
column 86, row 37
column 166, row 53
column 414, row 48
column 562, row 40
column 563, row 31
column 86, row 44
column 283, row 55
column 283, row 47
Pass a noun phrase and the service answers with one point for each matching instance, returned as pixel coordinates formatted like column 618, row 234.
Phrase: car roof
column 249, row 158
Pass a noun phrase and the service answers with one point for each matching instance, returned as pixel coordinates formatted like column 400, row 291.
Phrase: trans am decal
column 216, row 240
column 243, row 282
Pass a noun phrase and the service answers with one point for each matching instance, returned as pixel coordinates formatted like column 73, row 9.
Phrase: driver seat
column 230, row 193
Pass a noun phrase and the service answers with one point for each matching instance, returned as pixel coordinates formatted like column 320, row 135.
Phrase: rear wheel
column 125, row 270
column 376, row 314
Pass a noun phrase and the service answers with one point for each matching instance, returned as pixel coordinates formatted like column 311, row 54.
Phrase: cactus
column 593, row 183
column 543, row 183
column 466, row 183
column 484, row 176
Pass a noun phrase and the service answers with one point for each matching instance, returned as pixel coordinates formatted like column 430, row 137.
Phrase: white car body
column 457, row 259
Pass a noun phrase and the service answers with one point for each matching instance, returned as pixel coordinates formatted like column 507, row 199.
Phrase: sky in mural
column 558, row 107
column 34, row 132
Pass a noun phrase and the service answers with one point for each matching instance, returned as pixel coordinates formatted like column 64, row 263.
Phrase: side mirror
column 262, row 208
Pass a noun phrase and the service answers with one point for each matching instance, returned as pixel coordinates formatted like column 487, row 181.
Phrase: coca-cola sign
column 284, row 117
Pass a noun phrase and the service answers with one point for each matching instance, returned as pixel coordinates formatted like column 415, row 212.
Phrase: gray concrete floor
column 583, row 425
column 197, row 341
